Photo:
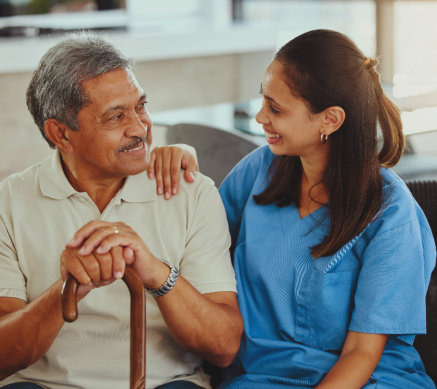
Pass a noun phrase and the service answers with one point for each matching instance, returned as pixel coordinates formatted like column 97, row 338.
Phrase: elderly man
column 89, row 210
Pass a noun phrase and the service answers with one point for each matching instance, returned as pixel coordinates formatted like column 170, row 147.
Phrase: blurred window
column 415, row 48
column 33, row 7
column 355, row 18
column 37, row 17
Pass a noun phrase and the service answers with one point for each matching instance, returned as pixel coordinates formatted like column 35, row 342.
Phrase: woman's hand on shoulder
column 165, row 165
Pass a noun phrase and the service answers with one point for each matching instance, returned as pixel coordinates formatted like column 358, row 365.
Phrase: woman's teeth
column 271, row 135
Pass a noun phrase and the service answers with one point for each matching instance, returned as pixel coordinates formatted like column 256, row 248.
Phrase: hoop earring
column 323, row 138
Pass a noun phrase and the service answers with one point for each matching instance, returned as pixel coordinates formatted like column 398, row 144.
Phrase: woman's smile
column 272, row 137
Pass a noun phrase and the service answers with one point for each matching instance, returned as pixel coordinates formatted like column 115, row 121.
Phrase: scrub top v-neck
column 297, row 310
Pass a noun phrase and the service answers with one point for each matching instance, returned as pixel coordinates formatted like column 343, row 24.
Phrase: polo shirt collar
column 54, row 184
column 138, row 189
column 52, row 180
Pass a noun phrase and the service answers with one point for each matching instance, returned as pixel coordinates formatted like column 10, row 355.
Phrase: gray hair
column 55, row 90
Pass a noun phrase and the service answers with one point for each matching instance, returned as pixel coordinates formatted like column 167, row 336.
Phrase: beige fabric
column 39, row 213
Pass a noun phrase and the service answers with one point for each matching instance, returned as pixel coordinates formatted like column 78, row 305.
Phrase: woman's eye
column 273, row 110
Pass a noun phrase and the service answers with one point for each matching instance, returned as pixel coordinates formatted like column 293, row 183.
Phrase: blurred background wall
column 192, row 53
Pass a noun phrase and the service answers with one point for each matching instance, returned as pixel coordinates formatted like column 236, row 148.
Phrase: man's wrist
column 168, row 285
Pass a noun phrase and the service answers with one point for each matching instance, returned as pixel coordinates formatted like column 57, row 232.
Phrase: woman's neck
column 313, row 193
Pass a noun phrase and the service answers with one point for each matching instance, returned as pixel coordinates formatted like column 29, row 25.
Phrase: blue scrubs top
column 297, row 310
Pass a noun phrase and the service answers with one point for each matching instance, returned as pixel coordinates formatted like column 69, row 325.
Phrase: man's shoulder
column 201, row 184
column 192, row 197
column 21, row 189
column 23, row 178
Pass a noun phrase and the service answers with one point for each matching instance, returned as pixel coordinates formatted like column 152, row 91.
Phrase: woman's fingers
column 166, row 164
column 189, row 175
column 166, row 178
column 171, row 167
column 151, row 167
column 189, row 159
column 158, row 172
column 175, row 170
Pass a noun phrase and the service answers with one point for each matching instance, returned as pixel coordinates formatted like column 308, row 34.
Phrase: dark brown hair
column 325, row 68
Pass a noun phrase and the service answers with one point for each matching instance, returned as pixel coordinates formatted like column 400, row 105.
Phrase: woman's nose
column 261, row 116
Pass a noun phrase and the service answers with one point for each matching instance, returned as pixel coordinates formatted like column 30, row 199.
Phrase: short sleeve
column 237, row 187
column 206, row 263
column 12, row 282
column 392, row 284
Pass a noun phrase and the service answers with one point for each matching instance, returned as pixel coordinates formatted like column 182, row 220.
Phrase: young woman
column 332, row 254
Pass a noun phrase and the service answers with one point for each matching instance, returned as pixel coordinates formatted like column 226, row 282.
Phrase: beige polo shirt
column 40, row 212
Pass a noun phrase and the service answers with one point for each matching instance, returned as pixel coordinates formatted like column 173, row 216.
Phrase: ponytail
column 389, row 119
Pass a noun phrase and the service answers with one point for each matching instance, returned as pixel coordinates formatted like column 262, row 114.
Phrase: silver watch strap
column 168, row 285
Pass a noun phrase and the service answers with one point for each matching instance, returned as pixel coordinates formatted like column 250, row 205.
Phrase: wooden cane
column 137, row 321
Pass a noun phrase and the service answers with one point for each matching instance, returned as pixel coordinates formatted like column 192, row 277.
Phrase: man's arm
column 207, row 324
column 28, row 330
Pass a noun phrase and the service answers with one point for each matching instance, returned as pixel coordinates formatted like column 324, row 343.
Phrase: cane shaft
column 137, row 321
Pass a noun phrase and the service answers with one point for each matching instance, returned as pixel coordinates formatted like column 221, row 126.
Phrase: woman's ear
column 333, row 118
column 58, row 132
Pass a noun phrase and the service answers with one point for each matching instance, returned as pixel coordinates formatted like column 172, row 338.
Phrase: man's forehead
column 115, row 85
column 132, row 78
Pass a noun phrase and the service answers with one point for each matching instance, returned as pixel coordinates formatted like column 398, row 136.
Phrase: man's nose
column 137, row 126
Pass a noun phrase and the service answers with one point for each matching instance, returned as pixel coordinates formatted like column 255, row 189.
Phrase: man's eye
column 117, row 117
column 142, row 107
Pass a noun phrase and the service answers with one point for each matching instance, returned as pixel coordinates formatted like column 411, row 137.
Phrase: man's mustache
column 136, row 140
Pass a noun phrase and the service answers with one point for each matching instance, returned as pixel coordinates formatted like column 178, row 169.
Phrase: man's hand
column 208, row 324
column 92, row 270
column 98, row 241
column 165, row 165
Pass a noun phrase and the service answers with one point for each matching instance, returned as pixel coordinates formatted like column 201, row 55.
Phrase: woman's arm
column 358, row 359
column 166, row 164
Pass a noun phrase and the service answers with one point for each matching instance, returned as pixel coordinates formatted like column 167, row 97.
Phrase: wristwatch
column 168, row 285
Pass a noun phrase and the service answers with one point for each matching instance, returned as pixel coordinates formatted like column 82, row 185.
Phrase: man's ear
column 58, row 133
column 333, row 118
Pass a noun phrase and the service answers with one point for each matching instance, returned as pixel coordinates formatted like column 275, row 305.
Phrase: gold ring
column 116, row 230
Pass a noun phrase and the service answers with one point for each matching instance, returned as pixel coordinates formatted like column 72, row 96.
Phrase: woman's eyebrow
column 266, row 96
